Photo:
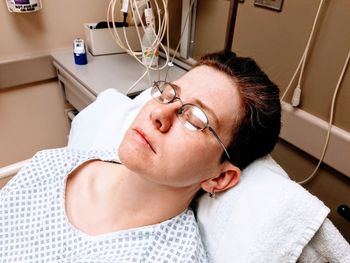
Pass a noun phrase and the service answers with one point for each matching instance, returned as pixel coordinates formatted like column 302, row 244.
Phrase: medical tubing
column 137, row 26
column 119, row 42
column 137, row 81
column 115, row 35
column 126, row 38
column 162, row 30
column 159, row 35
column 330, row 121
column 167, row 39
column 163, row 24
column 303, row 58
column 157, row 42
column 115, row 29
column 108, row 20
column 128, row 49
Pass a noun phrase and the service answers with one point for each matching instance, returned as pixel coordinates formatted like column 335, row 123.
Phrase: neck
column 137, row 201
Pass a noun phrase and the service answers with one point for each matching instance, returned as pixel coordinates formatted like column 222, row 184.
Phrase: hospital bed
column 265, row 218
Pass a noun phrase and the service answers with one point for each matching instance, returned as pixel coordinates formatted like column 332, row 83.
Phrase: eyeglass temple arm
column 217, row 137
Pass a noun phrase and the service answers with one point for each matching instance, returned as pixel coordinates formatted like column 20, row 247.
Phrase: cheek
column 192, row 151
column 192, row 170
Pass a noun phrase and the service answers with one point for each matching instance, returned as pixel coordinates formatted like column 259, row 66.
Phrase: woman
column 131, row 204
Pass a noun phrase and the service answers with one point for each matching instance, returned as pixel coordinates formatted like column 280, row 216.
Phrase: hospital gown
column 34, row 226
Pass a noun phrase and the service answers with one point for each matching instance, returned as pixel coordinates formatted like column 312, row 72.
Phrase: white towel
column 265, row 218
column 328, row 245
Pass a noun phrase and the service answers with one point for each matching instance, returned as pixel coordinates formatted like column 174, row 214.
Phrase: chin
column 125, row 153
column 132, row 158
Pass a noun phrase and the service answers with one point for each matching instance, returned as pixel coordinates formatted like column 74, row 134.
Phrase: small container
column 79, row 51
column 100, row 42
column 23, row 6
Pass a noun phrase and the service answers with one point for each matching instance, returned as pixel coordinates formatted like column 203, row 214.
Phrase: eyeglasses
column 191, row 116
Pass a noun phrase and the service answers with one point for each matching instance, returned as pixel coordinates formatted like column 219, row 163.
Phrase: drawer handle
column 344, row 211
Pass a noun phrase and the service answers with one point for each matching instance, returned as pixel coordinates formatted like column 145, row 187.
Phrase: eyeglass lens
column 163, row 92
column 191, row 116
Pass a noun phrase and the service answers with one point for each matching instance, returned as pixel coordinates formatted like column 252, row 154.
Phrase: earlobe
column 228, row 178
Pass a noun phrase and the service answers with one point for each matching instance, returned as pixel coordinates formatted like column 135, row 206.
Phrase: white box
column 100, row 41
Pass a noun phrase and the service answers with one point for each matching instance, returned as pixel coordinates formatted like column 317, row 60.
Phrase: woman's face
column 161, row 149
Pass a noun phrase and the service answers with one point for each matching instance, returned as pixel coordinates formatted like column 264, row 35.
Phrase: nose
column 162, row 116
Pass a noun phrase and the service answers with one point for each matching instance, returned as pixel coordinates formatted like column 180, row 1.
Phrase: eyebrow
column 203, row 106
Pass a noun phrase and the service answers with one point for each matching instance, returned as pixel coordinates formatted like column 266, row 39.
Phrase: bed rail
column 12, row 169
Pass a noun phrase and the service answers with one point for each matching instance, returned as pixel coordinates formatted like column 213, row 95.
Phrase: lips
column 144, row 138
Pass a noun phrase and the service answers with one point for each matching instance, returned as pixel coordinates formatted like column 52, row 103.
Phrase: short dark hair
column 258, row 125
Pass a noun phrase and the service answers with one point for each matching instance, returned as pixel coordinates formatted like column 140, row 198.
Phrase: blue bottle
column 79, row 52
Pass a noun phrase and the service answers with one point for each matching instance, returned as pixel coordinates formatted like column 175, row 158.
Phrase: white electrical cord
column 330, row 121
column 297, row 92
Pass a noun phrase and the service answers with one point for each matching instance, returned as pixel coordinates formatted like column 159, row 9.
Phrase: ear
column 228, row 177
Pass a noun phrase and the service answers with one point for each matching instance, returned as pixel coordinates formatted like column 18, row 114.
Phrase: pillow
column 265, row 218
column 102, row 124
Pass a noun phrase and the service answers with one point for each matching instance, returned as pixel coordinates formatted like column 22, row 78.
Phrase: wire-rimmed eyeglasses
column 190, row 115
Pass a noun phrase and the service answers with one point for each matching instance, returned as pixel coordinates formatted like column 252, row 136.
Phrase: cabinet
column 82, row 83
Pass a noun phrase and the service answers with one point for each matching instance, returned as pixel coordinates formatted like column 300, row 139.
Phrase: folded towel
column 329, row 244
column 310, row 255
column 265, row 218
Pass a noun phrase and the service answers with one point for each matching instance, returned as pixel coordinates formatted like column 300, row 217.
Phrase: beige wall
column 277, row 39
column 31, row 105
column 211, row 17
column 210, row 26
column 53, row 27
column 32, row 118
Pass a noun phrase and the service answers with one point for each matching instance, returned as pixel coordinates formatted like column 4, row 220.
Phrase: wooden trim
column 308, row 133
column 26, row 70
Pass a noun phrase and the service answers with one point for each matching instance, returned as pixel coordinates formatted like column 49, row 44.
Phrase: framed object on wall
column 272, row 4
